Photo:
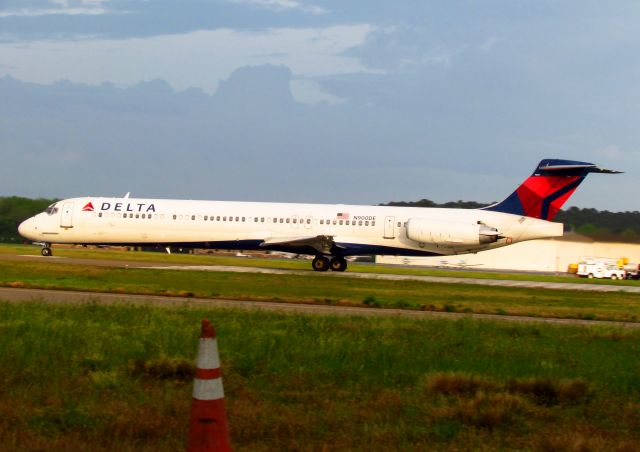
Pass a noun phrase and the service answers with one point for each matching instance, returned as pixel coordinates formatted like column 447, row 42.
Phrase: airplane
column 329, row 232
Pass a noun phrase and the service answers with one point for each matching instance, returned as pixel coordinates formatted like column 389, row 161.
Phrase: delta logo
column 128, row 207
column 120, row 207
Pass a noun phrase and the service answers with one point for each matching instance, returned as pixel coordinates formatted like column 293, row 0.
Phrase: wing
column 321, row 243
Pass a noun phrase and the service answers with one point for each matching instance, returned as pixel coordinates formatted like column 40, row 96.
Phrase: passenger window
column 321, row 221
column 243, row 219
column 100, row 214
column 308, row 220
column 175, row 217
column 137, row 215
column 347, row 222
column 262, row 220
column 288, row 220
column 366, row 223
column 373, row 223
column 340, row 222
column 237, row 218
column 360, row 223
column 206, row 218
column 255, row 220
column 144, row 215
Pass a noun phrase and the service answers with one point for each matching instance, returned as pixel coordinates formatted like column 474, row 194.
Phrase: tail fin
column 547, row 189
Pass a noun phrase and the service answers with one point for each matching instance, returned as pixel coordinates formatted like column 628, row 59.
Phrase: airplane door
column 389, row 227
column 66, row 220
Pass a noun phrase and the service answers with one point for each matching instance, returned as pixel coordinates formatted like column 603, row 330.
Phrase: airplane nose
column 26, row 229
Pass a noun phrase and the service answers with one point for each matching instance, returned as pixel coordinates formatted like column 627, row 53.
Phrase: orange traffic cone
column 208, row 428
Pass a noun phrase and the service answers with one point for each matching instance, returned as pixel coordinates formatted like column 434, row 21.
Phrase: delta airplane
column 329, row 232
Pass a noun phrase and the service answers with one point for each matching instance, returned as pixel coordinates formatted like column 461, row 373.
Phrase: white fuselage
column 351, row 229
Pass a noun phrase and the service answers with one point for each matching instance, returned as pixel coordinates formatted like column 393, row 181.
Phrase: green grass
column 314, row 288
column 86, row 378
column 324, row 289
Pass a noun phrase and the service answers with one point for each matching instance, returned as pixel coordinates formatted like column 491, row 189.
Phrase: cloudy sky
column 336, row 101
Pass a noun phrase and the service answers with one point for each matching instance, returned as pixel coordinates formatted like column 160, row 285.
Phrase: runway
column 76, row 297
column 586, row 286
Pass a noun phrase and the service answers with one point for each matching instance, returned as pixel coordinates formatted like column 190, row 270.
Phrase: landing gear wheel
column 338, row 264
column 46, row 251
column 320, row 264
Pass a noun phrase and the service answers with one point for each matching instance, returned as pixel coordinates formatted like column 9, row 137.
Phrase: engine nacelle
column 424, row 230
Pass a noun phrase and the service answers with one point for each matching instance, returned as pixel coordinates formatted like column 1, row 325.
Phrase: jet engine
column 425, row 230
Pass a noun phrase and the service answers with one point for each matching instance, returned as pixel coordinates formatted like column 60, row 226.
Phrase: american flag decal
column 343, row 216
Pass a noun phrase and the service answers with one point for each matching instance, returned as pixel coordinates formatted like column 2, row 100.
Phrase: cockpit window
column 52, row 209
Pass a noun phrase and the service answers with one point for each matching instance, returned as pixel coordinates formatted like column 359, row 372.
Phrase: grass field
column 325, row 289
column 292, row 264
column 97, row 377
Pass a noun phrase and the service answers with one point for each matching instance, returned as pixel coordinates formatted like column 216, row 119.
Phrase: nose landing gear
column 322, row 264
column 46, row 250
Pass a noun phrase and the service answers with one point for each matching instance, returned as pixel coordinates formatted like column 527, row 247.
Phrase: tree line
column 597, row 224
column 13, row 211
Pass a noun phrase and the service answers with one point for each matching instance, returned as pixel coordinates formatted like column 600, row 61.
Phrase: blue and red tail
column 547, row 189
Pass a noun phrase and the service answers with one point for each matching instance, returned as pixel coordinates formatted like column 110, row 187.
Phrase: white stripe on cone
column 208, row 389
column 208, row 354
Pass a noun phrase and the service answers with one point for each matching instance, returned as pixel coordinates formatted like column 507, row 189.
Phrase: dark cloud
column 133, row 18
column 252, row 141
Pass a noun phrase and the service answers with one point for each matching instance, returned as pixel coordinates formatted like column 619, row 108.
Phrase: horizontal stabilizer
column 570, row 168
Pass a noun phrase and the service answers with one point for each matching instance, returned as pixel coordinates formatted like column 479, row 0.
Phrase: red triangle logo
column 88, row 207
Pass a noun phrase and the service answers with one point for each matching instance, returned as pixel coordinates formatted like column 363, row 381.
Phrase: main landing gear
column 322, row 264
